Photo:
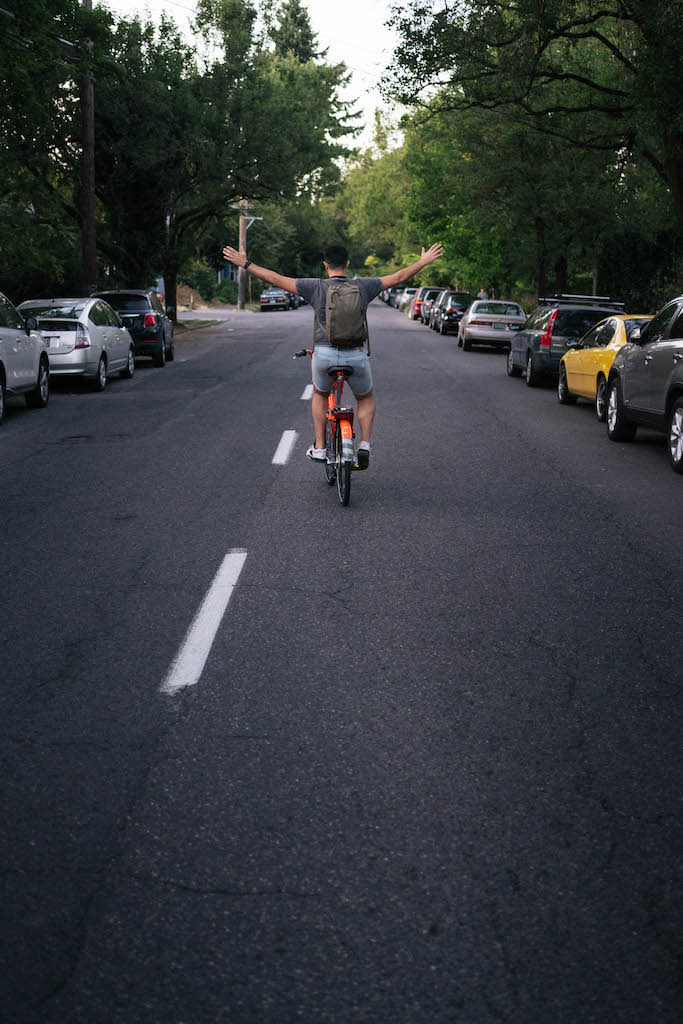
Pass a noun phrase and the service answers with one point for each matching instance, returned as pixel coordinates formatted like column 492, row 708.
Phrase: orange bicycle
column 341, row 458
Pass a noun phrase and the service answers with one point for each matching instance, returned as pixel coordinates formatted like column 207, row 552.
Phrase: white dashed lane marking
column 284, row 449
column 308, row 392
column 189, row 662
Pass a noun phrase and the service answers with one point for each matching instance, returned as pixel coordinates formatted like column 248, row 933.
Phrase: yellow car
column 584, row 368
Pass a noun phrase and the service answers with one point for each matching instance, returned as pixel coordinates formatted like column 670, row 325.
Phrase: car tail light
column 82, row 337
column 150, row 320
column 480, row 323
column 548, row 332
column 418, row 303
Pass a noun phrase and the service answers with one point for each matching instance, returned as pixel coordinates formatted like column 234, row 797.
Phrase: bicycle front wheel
column 330, row 465
column 343, row 470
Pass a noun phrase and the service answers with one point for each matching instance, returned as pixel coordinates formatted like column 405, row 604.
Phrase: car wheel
column 675, row 434
column 170, row 351
column 618, row 427
column 100, row 382
column 129, row 368
column 564, row 395
column 601, row 399
column 532, row 375
column 160, row 357
column 512, row 370
column 2, row 398
column 39, row 397
column 466, row 343
column 442, row 328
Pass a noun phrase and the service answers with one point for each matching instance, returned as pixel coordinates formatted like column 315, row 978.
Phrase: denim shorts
column 324, row 356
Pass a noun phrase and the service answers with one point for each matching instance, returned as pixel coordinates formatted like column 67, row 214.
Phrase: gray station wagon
column 555, row 325
column 645, row 386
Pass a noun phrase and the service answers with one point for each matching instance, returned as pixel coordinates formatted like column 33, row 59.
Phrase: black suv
column 150, row 327
column 645, row 386
column 555, row 325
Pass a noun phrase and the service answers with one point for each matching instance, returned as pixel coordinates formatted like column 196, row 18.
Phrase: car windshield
column 273, row 291
column 498, row 308
column 71, row 312
column 124, row 303
column 630, row 325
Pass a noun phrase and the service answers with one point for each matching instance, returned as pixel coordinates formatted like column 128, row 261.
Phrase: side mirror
column 31, row 324
column 635, row 334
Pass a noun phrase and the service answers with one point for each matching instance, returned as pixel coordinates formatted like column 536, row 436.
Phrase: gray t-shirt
column 314, row 291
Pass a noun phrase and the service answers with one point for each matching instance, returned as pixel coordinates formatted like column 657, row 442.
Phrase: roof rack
column 600, row 300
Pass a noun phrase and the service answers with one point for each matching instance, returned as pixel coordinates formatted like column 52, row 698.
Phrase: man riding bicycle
column 325, row 353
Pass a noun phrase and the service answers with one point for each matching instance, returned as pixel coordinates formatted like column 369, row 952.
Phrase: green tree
column 294, row 33
column 179, row 143
column 601, row 77
column 43, row 51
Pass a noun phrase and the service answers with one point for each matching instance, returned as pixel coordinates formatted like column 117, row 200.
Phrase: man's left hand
column 233, row 256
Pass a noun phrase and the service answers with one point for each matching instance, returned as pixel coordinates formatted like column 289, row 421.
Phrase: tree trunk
column 541, row 283
column 561, row 273
column 171, row 285
column 673, row 171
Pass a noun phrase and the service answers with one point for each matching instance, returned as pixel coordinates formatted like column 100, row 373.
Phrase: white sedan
column 24, row 364
column 84, row 338
column 490, row 322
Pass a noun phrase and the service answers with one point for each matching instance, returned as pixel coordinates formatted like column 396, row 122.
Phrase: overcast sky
column 353, row 31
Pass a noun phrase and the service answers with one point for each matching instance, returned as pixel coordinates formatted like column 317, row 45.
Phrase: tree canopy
column 601, row 76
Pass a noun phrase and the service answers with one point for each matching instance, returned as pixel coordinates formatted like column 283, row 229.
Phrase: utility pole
column 87, row 204
column 245, row 224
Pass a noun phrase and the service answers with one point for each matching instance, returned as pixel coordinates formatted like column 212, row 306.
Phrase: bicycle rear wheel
column 330, row 465
column 343, row 469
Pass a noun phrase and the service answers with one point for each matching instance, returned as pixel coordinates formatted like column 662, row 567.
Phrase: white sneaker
column 317, row 454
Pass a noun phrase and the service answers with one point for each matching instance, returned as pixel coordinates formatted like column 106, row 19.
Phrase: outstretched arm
column 240, row 258
column 400, row 276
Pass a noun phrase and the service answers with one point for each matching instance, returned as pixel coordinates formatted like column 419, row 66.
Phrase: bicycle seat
column 332, row 371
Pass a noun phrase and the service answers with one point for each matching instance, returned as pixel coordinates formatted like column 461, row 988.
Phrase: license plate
column 499, row 327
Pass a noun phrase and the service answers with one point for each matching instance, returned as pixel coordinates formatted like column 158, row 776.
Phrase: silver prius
column 83, row 337
column 490, row 322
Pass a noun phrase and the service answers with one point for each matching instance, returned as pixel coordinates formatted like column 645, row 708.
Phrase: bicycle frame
column 343, row 416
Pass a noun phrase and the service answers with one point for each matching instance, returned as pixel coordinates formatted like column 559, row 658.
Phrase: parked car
column 555, row 324
column 273, row 298
column 446, row 316
column 83, row 337
column 431, row 308
column 393, row 295
column 490, row 322
column 294, row 300
column 150, row 326
column 645, row 384
column 584, row 369
column 425, row 291
column 24, row 362
column 405, row 298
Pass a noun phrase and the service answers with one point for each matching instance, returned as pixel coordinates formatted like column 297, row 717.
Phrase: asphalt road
column 430, row 771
